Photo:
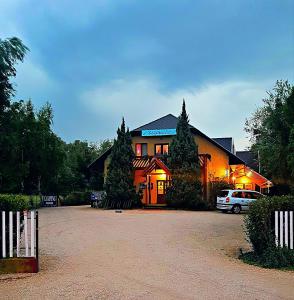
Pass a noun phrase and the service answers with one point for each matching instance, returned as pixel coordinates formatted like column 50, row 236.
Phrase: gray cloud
column 218, row 109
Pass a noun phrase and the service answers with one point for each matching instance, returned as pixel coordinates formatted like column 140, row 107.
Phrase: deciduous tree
column 11, row 51
column 271, row 133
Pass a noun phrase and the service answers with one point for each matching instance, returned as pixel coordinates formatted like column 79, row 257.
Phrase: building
column 217, row 157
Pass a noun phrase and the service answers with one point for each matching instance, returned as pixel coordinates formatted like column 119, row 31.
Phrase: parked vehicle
column 96, row 198
column 236, row 200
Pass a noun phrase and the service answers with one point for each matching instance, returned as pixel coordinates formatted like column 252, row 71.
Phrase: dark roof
column 170, row 122
column 167, row 122
column 98, row 163
column 249, row 158
column 226, row 142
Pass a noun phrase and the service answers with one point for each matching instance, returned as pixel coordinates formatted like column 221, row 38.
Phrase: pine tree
column 185, row 191
column 120, row 191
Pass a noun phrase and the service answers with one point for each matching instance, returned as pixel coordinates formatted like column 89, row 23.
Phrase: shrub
column 76, row 198
column 13, row 202
column 259, row 221
column 35, row 201
column 185, row 195
column 259, row 225
column 273, row 257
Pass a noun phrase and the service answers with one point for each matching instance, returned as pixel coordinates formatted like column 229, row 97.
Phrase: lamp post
column 258, row 157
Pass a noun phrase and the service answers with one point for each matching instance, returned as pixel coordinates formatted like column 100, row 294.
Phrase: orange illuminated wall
column 244, row 182
column 151, row 142
column 155, row 175
column 218, row 166
column 245, row 178
column 140, row 178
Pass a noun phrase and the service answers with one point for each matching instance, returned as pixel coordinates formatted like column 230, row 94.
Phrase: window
column 141, row 149
column 223, row 193
column 161, row 149
column 248, row 195
column 165, row 149
column 237, row 195
column 248, row 186
column 158, row 149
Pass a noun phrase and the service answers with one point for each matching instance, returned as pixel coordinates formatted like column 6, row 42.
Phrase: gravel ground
column 143, row 254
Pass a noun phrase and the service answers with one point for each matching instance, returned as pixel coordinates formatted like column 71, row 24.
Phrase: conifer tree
column 120, row 190
column 185, row 191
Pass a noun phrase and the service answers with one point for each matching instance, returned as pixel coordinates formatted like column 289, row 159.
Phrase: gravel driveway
column 143, row 254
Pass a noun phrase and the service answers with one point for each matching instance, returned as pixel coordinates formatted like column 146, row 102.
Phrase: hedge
column 13, row 202
column 76, row 198
column 259, row 224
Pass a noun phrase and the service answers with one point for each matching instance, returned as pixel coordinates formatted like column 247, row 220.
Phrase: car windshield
column 223, row 193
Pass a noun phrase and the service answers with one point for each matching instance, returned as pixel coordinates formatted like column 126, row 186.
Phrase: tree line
column 33, row 159
column 271, row 131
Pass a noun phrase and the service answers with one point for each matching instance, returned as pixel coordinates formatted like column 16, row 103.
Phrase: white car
column 236, row 200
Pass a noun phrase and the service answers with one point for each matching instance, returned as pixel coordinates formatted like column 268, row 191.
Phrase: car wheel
column 236, row 209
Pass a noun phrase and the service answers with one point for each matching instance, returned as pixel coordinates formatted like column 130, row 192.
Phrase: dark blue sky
column 99, row 60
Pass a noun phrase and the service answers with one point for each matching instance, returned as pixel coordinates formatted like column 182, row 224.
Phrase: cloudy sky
column 99, row 60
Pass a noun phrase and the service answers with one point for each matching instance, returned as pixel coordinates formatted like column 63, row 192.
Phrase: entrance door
column 161, row 188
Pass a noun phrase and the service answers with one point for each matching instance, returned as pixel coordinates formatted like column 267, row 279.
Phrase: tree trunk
column 39, row 185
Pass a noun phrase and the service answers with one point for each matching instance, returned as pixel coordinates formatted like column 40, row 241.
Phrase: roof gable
column 157, row 163
column 226, row 142
column 170, row 122
column 167, row 122
column 249, row 158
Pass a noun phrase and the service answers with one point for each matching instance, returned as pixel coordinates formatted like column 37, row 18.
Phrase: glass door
column 161, row 189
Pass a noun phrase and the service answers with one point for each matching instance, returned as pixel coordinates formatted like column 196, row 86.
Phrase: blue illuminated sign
column 159, row 132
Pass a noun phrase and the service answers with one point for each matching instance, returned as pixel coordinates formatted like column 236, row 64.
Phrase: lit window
column 158, row 149
column 138, row 149
column 165, row 149
column 161, row 149
column 141, row 149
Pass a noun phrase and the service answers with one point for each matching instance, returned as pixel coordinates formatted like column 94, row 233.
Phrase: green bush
column 259, row 220
column 13, row 202
column 259, row 224
column 273, row 257
column 35, row 201
column 185, row 195
column 76, row 198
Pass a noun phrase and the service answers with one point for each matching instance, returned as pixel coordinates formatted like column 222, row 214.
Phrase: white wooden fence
column 19, row 234
column 284, row 230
